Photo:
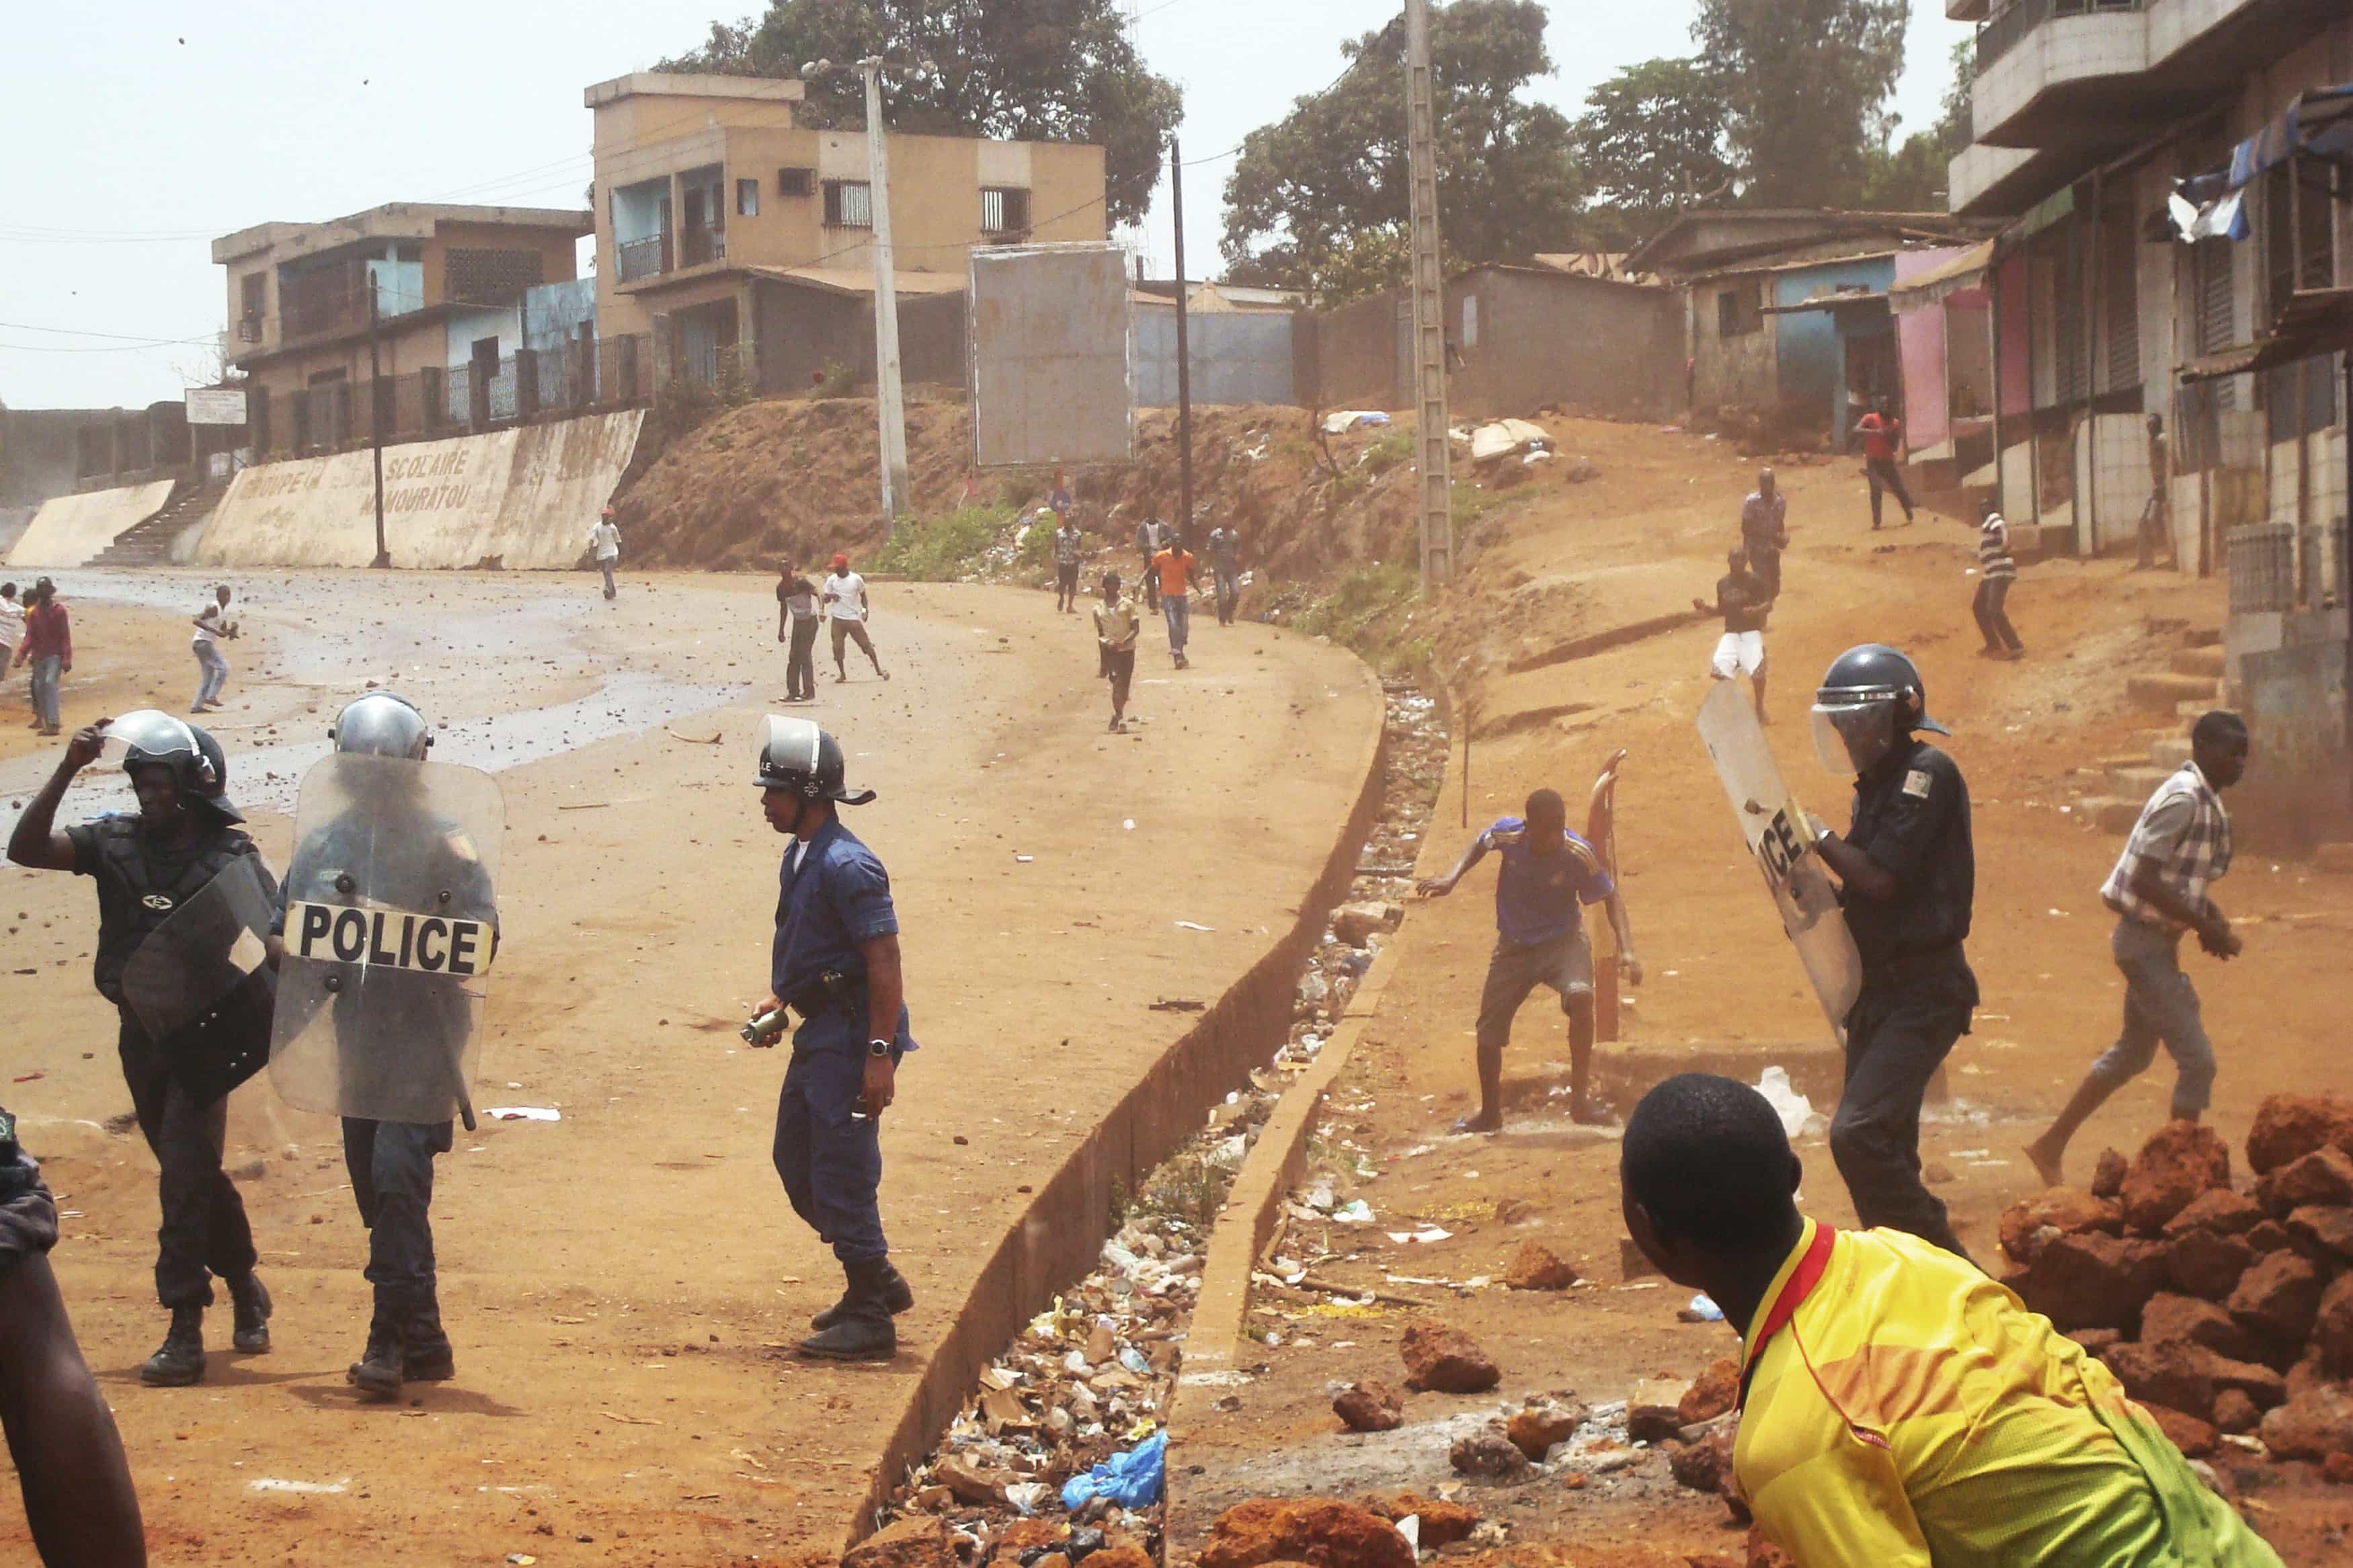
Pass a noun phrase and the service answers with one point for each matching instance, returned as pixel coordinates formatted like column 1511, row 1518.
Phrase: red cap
column 840, row 562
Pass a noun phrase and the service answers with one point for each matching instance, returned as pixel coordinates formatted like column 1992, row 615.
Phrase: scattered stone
column 2196, row 1439
column 2323, row 1229
column 2323, row 1177
column 2032, row 1223
column 970, row 1483
column 2269, row 1236
column 2173, row 1374
column 2190, row 1320
column 2279, row 1296
column 2095, row 1341
column 1536, row 1266
column 1537, row 1426
column 2109, row 1174
column 1369, row 1407
column 2206, row 1263
column 2332, row 1329
column 1654, row 1409
column 1763, row 1553
column 1125, row 1555
column 1442, row 1523
column 1705, row 1466
column 1512, row 1211
column 918, row 1540
column 1714, row 1390
column 1489, row 1453
column 2312, row 1425
column 1020, row 1535
column 2308, row 1374
column 1445, row 1360
column 2235, row 1413
column 2290, row 1126
column 2338, row 1470
column 1581, row 471
column 2258, row 1382
column 2180, row 1160
column 1356, row 923
column 2222, row 1211
column 1322, row 1531
column 2091, row 1280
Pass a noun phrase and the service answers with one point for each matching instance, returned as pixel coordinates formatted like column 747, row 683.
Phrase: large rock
column 2027, row 1225
column 2277, row 1298
column 1489, row 1453
column 2180, row 1160
column 2269, row 1236
column 2195, row 1439
column 972, row 1483
column 2169, row 1317
column 1536, row 1266
column 2261, row 1385
column 2096, row 1341
column 2172, row 1374
column 918, row 1540
column 1445, row 1360
column 1712, row 1394
column 2108, row 1173
column 2222, row 1211
column 1654, row 1409
column 1356, row 923
column 2332, row 1329
column 2312, row 1425
column 2323, row 1232
column 1534, row 1427
column 1705, row 1466
column 1321, row 1531
column 1369, row 1407
column 1763, row 1553
column 2091, row 1280
column 1442, row 1523
column 2290, row 1126
column 2323, row 1177
column 2234, row 1412
column 2206, row 1263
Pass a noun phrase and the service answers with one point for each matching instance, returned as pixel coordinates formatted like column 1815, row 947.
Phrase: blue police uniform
column 832, row 894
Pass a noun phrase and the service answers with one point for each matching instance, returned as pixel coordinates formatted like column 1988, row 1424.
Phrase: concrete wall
column 525, row 496
column 2289, row 680
column 802, row 333
column 40, row 451
column 70, row 530
column 1236, row 356
column 1360, row 354
column 1736, row 369
column 1531, row 340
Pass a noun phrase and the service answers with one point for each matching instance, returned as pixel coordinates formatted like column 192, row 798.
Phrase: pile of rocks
column 2228, row 1313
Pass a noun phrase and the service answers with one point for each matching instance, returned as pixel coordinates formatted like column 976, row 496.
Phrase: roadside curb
column 1060, row 1237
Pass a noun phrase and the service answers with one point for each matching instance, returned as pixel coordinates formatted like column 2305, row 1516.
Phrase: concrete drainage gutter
column 1059, row 1238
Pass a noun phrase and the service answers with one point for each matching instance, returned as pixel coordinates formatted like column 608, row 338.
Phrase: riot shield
column 1782, row 846
column 201, row 986
column 391, row 925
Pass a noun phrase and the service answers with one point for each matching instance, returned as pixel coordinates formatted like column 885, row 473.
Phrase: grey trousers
column 2160, row 1006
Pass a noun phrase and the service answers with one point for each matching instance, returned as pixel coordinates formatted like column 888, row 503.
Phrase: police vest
column 136, row 896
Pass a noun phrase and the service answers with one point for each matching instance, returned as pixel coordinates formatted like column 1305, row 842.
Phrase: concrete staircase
column 150, row 544
column 2191, row 684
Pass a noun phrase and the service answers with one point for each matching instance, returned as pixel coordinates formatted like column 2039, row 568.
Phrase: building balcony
column 658, row 255
column 1966, row 10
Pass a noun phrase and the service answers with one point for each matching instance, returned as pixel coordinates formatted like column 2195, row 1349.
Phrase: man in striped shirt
column 2180, row 848
column 1996, row 571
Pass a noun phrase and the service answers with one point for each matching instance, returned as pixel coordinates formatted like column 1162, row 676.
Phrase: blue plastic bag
column 1132, row 1479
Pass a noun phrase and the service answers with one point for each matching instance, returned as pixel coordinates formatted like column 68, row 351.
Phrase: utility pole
column 1429, row 305
column 375, row 425
column 1184, row 357
column 890, row 396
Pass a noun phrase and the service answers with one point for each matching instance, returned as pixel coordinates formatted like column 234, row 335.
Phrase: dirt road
column 619, row 1284
column 1724, row 991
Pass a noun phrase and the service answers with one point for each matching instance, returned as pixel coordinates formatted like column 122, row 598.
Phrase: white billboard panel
column 215, row 405
column 1053, row 379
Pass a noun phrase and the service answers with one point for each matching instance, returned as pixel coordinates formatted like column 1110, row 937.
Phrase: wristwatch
column 878, row 1047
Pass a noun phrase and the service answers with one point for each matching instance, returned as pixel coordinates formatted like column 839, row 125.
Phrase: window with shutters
column 747, row 198
column 797, row 182
column 1004, row 209
column 1739, row 309
column 2067, row 347
column 2215, row 303
column 849, row 203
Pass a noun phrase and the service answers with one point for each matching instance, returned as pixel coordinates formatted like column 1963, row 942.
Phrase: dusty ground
column 1724, row 990
column 127, row 656
column 619, row 1284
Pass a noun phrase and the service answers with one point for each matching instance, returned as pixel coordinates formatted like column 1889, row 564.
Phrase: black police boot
column 425, row 1353
column 897, row 1297
column 179, row 1360
column 863, row 1330
column 377, row 1373
column 250, row 1299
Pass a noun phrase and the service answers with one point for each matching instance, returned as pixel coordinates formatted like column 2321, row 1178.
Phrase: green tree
column 1651, row 142
column 1024, row 70
column 1806, row 85
column 1309, row 188
column 1916, row 176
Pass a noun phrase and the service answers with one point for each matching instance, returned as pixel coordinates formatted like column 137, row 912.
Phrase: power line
column 86, row 333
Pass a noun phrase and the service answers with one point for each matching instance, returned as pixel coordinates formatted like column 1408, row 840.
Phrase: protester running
column 1997, row 570
column 1765, row 531
column 1548, row 876
column 798, row 608
column 2162, row 887
column 212, row 623
column 1907, row 874
column 847, row 608
column 1896, row 1408
column 1116, row 629
column 604, row 539
column 1883, row 441
column 1744, row 601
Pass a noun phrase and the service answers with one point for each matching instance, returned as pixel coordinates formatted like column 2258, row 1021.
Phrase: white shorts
column 1738, row 653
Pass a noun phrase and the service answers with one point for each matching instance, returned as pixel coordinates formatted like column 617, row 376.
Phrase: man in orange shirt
column 1172, row 570
column 1882, row 438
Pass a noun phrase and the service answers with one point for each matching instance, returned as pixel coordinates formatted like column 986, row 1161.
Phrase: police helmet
column 215, row 794
column 145, row 737
column 797, row 755
column 381, row 725
column 1869, row 697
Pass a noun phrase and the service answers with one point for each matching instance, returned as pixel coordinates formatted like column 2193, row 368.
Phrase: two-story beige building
column 736, row 236
column 451, row 289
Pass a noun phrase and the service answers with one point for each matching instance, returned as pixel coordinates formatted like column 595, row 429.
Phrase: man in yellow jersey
column 1897, row 1407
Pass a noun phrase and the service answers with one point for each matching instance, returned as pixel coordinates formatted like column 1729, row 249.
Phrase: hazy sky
column 136, row 131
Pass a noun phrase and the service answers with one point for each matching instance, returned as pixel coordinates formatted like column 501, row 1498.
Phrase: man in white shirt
column 212, row 623
column 606, row 539
column 846, row 607
column 12, row 624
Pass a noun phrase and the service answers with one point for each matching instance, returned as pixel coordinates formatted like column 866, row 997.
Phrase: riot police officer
column 835, row 963
column 147, row 866
column 1907, row 876
column 382, row 1043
